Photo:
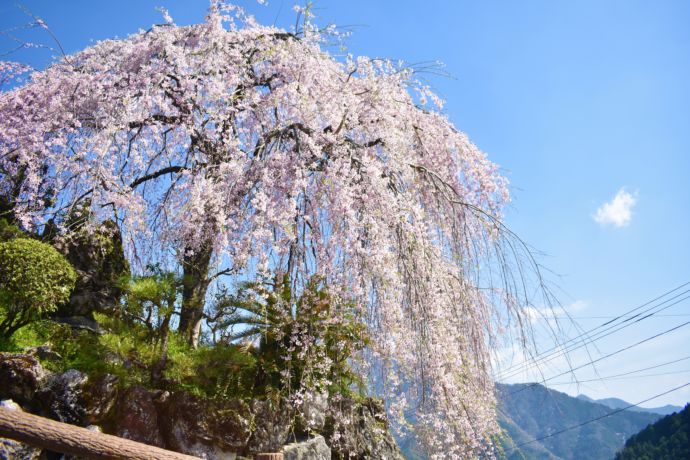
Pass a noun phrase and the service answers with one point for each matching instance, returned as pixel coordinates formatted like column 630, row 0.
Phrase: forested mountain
column 667, row 439
column 529, row 411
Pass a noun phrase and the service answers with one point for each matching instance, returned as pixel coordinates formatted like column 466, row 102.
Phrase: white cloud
column 618, row 211
column 577, row 306
column 534, row 314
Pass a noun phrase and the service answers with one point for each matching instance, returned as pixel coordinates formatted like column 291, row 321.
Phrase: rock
column 45, row 352
column 314, row 410
column 137, row 417
column 211, row 429
column 360, row 430
column 312, row 449
column 99, row 397
column 100, row 262
column 63, row 397
column 15, row 450
column 9, row 404
column 21, row 376
column 196, row 427
column 209, row 452
column 80, row 322
column 272, row 422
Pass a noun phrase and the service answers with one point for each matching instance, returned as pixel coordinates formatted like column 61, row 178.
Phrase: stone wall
column 185, row 423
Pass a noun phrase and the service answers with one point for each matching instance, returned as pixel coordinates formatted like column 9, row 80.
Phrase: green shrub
column 307, row 343
column 151, row 300
column 10, row 231
column 34, row 280
column 218, row 371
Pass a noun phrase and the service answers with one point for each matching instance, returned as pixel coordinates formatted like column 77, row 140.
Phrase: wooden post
column 69, row 439
column 271, row 456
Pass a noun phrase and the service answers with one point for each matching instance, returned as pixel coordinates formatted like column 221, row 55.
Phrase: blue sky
column 575, row 100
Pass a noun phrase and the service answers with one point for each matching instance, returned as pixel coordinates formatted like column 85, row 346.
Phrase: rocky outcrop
column 311, row 449
column 99, row 259
column 199, row 427
column 136, row 417
column 21, row 376
column 360, row 431
column 196, row 426
column 63, row 397
column 14, row 450
column 273, row 422
column 100, row 397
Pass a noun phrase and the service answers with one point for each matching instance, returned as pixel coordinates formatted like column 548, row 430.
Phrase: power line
column 609, row 317
column 627, row 373
column 598, row 336
column 603, row 357
column 550, row 354
column 614, row 319
column 685, row 371
column 600, row 417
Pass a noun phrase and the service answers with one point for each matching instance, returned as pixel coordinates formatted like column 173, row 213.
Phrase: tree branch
column 154, row 175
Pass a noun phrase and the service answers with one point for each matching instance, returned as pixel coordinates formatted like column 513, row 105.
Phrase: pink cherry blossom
column 257, row 143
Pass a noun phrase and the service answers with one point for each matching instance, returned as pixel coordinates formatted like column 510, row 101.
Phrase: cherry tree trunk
column 69, row 439
column 195, row 284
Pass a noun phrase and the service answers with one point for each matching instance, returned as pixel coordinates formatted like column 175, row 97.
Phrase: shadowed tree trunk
column 194, row 286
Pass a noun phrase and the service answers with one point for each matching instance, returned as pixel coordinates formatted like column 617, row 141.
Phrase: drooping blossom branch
column 241, row 148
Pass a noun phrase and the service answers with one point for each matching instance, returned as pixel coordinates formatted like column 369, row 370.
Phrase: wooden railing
column 69, row 439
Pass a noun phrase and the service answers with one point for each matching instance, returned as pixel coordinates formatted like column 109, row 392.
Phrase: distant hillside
column 615, row 403
column 536, row 411
column 667, row 439
column 529, row 412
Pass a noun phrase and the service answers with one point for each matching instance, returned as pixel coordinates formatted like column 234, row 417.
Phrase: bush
column 9, row 231
column 307, row 344
column 34, row 280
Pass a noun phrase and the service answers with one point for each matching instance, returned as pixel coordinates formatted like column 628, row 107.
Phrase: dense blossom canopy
column 257, row 143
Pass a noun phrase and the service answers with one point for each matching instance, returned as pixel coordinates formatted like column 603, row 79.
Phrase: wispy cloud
column 557, row 312
column 618, row 211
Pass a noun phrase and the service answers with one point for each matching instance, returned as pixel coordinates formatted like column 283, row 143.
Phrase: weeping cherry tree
column 232, row 148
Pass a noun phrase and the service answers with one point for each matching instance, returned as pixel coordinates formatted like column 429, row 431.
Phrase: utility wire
column 684, row 371
column 608, row 317
column 557, row 351
column 598, row 336
column 599, row 418
column 614, row 319
column 602, row 357
column 627, row 373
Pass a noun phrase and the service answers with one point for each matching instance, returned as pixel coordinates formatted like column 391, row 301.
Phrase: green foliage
column 151, row 300
column 269, row 345
column 9, row 231
column 302, row 344
column 220, row 371
column 126, row 350
column 31, row 335
column 667, row 439
column 34, row 279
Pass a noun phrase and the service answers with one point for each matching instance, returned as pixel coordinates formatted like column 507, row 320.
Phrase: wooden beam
column 69, row 439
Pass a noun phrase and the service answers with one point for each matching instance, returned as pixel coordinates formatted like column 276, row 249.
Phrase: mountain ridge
column 617, row 403
column 528, row 412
